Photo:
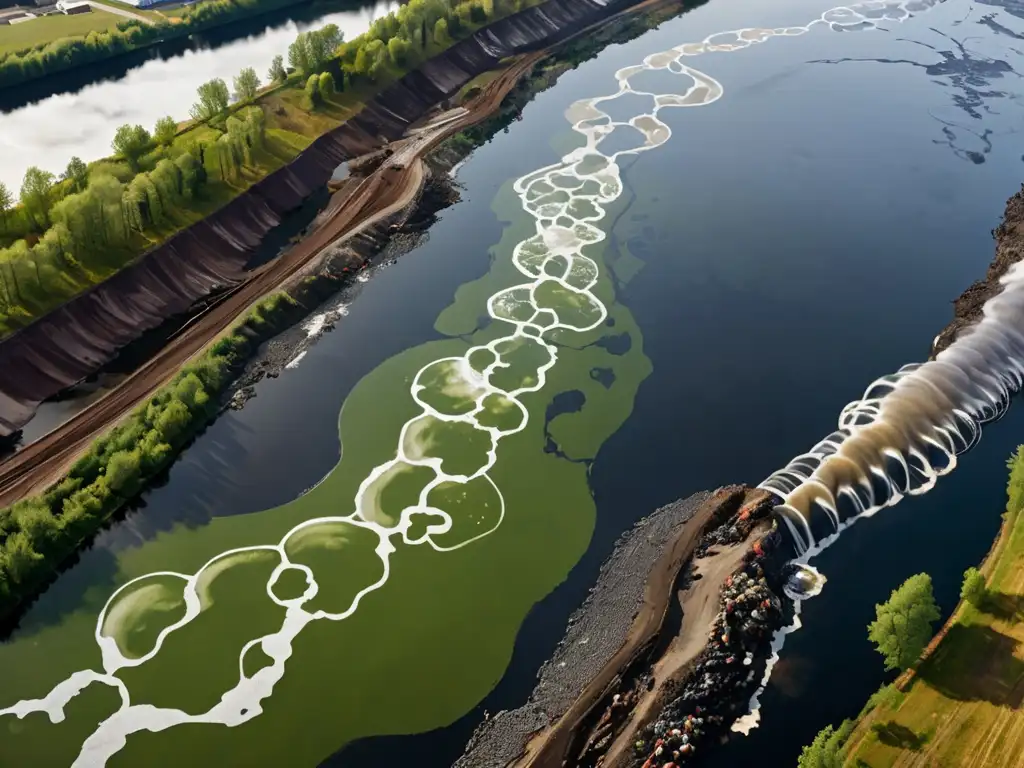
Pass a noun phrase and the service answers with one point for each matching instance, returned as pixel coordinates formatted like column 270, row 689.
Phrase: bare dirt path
column 548, row 748
column 385, row 191
column 700, row 603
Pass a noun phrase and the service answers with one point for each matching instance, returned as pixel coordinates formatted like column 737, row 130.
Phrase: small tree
column 325, row 86
column 277, row 74
column 77, row 173
column 213, row 100
column 973, row 589
column 903, row 625
column 827, row 749
column 165, row 131
column 398, row 51
column 123, row 470
column 6, row 203
column 313, row 91
column 246, row 84
column 130, row 143
column 441, row 36
column 35, row 196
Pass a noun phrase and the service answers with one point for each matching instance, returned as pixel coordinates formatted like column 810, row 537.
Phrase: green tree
column 6, row 203
column 246, row 84
column 441, row 36
column 36, row 197
column 165, row 130
column 123, row 470
column 189, row 390
column 173, row 420
column 827, row 749
column 77, row 173
column 325, row 86
column 313, row 91
column 1015, row 485
column 213, row 100
column 277, row 74
column 20, row 557
column 398, row 51
column 903, row 625
column 130, row 143
column 973, row 589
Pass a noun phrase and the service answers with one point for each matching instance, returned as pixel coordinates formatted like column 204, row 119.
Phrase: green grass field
column 46, row 29
column 964, row 706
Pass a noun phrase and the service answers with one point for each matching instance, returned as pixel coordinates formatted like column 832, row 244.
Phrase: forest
column 20, row 66
column 40, row 531
column 71, row 231
column 65, row 233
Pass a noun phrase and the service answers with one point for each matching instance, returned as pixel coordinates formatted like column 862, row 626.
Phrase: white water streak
column 566, row 199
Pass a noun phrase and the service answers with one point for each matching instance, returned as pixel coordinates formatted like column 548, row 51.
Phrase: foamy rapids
column 905, row 432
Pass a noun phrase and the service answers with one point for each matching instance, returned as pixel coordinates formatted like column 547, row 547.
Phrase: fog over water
column 48, row 132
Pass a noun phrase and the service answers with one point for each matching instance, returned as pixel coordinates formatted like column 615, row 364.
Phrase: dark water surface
column 793, row 241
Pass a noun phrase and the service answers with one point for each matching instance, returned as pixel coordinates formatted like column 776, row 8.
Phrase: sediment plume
column 77, row 339
column 909, row 427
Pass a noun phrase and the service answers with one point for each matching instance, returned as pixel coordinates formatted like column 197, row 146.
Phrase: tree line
column 903, row 628
column 71, row 231
column 85, row 224
column 20, row 66
column 38, row 532
column 86, row 221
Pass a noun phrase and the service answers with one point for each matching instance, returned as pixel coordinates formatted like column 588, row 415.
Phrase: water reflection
column 47, row 133
column 970, row 75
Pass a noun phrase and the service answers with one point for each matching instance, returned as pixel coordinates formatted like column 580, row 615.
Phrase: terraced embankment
column 616, row 670
column 51, row 364
column 75, row 340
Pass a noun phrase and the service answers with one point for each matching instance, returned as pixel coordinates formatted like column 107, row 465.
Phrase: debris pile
column 731, row 664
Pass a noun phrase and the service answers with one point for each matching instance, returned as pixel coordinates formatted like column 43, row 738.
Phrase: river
column 77, row 113
column 786, row 245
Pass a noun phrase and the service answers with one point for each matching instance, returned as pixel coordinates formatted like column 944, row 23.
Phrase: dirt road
column 701, row 603
column 385, row 191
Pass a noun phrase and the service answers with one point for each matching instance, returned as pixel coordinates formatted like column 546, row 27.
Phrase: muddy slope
column 1009, row 237
column 75, row 340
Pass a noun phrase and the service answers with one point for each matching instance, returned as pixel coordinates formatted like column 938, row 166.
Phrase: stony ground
column 595, row 632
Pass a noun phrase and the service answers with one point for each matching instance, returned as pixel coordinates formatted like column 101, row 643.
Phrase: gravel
column 595, row 633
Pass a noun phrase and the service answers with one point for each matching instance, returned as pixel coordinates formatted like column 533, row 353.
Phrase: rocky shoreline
column 595, row 632
column 333, row 280
column 632, row 668
column 967, row 307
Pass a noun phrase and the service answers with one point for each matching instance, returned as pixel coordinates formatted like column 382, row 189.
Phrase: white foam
column 560, row 238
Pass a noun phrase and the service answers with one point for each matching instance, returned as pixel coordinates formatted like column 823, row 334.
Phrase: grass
column 474, row 86
column 125, row 7
column 964, row 705
column 46, row 29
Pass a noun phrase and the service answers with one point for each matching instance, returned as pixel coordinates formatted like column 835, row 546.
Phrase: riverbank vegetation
column 38, row 33
column 961, row 704
column 54, row 44
column 71, row 232
column 38, row 533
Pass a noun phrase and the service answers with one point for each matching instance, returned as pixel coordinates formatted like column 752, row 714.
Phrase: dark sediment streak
column 78, row 338
column 967, row 308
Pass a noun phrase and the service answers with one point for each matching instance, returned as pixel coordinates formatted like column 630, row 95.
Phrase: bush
column 313, row 91
column 123, row 471
column 974, row 590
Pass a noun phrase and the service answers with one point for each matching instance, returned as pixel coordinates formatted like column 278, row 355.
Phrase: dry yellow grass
column 964, row 706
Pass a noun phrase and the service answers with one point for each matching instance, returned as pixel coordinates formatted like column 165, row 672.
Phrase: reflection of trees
column 970, row 75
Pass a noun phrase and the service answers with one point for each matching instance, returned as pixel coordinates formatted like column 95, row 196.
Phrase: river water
column 77, row 113
column 786, row 245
